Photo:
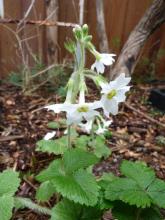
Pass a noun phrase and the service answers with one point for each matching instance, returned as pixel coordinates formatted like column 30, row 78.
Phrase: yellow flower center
column 111, row 94
column 83, row 109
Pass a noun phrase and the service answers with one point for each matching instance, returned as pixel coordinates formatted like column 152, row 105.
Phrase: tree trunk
column 101, row 30
column 52, row 32
column 130, row 53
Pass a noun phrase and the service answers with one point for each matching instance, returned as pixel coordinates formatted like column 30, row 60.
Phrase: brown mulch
column 23, row 122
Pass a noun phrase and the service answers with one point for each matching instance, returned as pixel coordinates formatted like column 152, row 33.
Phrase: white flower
column 101, row 130
column 105, row 124
column 57, row 108
column 114, row 93
column 76, row 112
column 101, row 60
column 49, row 135
column 86, row 127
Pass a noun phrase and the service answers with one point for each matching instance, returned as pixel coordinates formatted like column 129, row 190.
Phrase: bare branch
column 38, row 22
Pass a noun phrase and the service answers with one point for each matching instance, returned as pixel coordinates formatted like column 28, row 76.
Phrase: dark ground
column 137, row 134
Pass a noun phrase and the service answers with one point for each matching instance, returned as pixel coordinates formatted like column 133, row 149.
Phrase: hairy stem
column 69, row 136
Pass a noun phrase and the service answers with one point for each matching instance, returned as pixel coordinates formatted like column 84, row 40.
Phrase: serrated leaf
column 75, row 159
column 6, row 206
column 105, row 179
column 57, row 124
column 9, row 182
column 45, row 191
column 99, row 147
column 140, row 188
column 67, row 210
column 128, row 191
column 58, row 146
column 79, row 187
column 48, row 174
column 139, row 172
column 157, row 192
column 82, row 141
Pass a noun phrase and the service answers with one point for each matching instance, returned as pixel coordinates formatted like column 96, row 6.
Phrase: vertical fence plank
column 121, row 16
column 9, row 59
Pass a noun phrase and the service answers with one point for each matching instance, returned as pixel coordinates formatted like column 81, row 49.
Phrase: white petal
column 86, row 127
column 120, row 97
column 100, row 130
column 96, row 105
column 113, row 107
column 107, row 59
column 55, row 107
column 93, row 67
column 99, row 67
column 49, row 135
column 90, row 115
column 109, row 106
column 106, row 124
column 74, row 117
column 122, row 81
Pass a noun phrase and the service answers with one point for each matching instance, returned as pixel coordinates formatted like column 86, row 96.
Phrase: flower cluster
column 112, row 93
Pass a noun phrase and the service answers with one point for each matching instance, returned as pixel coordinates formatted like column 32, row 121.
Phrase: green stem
column 69, row 136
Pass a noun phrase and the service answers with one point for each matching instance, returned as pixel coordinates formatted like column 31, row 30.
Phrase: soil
column 137, row 134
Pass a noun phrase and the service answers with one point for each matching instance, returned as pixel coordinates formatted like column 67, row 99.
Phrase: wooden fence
column 47, row 43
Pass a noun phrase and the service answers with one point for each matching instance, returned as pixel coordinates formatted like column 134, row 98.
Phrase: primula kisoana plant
column 77, row 193
column 78, row 110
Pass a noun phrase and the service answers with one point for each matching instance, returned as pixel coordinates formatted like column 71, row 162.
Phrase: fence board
column 121, row 16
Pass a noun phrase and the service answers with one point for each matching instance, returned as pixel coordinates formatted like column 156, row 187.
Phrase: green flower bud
column 77, row 32
column 85, row 29
column 88, row 38
column 70, row 46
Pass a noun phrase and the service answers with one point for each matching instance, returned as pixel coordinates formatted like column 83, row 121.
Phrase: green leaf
column 157, row 192
column 105, row 179
column 100, row 148
column 9, row 182
column 67, row 210
column 139, row 172
column 53, row 170
column 79, row 187
column 57, row 124
column 128, row 191
column 6, row 206
column 82, row 141
column 45, row 191
column 140, row 188
column 58, row 146
column 75, row 159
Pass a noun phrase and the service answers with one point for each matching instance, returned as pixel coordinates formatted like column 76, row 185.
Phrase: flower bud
column 85, row 29
column 88, row 38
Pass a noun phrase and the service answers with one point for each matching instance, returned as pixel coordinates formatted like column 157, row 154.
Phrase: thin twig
column 144, row 115
column 38, row 22
column 11, row 138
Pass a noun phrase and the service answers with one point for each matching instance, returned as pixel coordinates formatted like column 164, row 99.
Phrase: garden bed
column 137, row 133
